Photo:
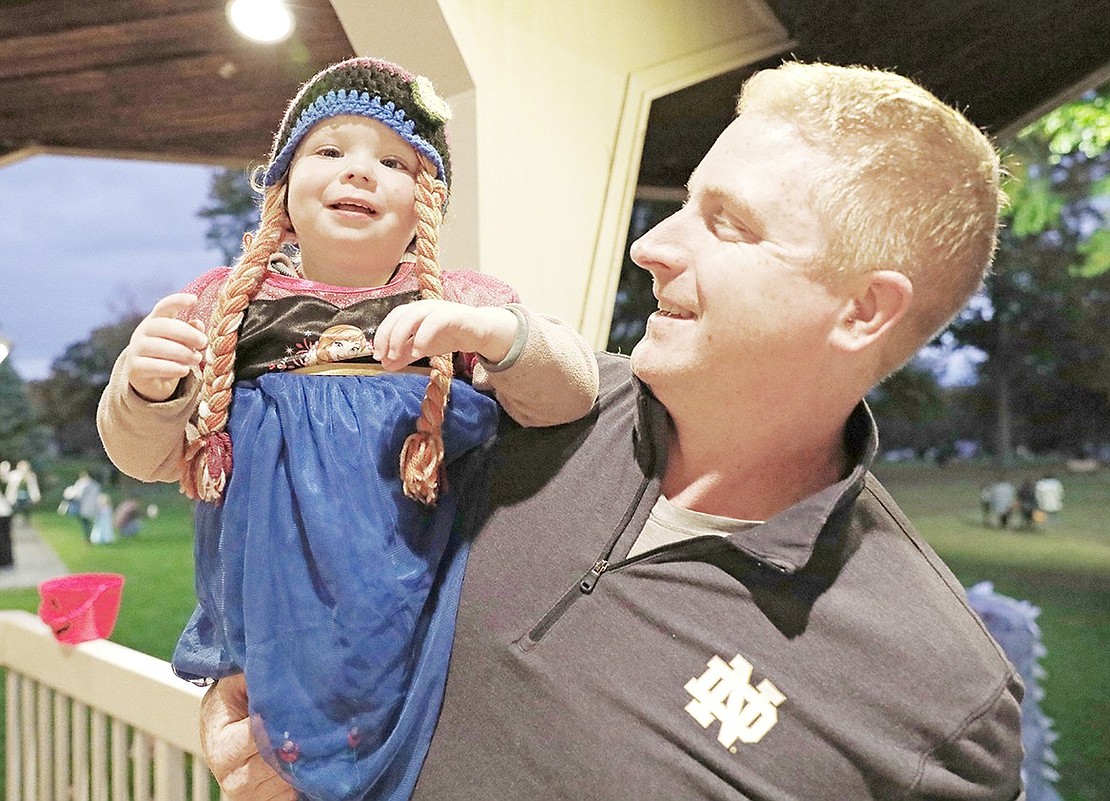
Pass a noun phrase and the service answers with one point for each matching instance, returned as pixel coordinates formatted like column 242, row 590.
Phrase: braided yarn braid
column 422, row 453
column 206, row 463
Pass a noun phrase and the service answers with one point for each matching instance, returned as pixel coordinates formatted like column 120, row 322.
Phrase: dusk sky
column 86, row 240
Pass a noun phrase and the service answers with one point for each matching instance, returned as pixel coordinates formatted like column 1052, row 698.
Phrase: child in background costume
column 325, row 570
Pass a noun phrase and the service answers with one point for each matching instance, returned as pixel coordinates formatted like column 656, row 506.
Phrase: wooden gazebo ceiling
column 165, row 79
column 169, row 79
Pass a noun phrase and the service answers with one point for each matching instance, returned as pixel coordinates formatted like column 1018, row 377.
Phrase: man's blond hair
column 914, row 186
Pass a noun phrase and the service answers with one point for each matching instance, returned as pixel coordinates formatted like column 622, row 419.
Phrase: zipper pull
column 589, row 581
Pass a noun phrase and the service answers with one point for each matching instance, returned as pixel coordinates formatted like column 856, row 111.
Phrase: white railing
column 96, row 721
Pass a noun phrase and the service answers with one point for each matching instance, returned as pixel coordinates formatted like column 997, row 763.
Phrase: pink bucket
column 82, row 606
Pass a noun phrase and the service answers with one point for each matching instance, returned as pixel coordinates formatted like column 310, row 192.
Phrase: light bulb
column 267, row 21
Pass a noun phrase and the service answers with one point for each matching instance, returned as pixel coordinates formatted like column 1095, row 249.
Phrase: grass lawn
column 1063, row 568
column 158, row 594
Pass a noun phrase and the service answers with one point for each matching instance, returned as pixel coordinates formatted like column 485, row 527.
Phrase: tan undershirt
column 668, row 524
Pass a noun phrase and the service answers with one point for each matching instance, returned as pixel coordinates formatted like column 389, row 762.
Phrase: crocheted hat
column 366, row 87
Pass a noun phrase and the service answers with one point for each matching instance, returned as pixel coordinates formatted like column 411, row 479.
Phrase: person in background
column 127, row 518
column 985, row 503
column 1050, row 496
column 1027, row 504
column 1003, row 502
column 103, row 530
column 21, row 488
column 700, row 591
column 84, row 495
column 7, row 555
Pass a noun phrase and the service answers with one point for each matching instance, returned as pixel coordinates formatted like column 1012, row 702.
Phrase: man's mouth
column 674, row 312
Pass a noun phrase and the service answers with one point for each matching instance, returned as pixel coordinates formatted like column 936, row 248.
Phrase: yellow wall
column 551, row 100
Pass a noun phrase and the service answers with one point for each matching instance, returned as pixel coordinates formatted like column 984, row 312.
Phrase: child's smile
column 355, row 207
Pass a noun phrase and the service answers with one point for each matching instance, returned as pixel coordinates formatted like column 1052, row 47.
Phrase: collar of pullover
column 786, row 541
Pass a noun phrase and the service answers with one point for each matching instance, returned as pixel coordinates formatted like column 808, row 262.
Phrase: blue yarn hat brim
column 358, row 104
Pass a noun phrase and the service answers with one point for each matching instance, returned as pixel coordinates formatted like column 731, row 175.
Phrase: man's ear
column 881, row 299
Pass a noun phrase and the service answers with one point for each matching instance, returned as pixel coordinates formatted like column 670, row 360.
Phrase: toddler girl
column 326, row 572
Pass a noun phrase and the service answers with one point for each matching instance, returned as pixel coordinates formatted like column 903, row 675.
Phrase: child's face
column 351, row 201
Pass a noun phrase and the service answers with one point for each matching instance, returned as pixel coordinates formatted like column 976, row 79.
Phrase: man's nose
column 663, row 248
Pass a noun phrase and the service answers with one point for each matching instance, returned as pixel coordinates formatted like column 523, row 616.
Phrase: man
column 700, row 591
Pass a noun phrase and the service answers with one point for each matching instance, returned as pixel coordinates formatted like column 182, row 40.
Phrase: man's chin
column 645, row 364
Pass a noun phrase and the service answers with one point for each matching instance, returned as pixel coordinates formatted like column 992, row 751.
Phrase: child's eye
column 329, row 151
column 395, row 163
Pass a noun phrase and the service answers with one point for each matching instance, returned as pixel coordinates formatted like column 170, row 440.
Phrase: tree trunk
column 1004, row 423
column 1004, row 418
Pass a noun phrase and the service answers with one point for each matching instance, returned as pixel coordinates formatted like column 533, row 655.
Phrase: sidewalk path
column 34, row 559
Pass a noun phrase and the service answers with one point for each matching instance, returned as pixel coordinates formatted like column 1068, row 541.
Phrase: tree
column 1040, row 319
column 21, row 434
column 68, row 397
column 233, row 212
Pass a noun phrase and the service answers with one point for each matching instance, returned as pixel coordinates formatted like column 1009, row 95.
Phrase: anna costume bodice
column 304, row 331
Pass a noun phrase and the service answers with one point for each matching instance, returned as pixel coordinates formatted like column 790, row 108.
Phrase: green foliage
column 1081, row 126
column 233, row 211
column 1095, row 250
column 911, row 394
column 1050, row 162
column 1034, row 206
column 21, row 434
column 1040, row 321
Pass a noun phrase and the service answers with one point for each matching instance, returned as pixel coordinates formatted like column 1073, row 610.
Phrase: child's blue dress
column 333, row 593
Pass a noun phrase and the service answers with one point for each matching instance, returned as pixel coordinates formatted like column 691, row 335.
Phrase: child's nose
column 360, row 171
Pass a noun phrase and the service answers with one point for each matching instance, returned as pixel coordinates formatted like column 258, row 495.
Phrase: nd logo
column 724, row 692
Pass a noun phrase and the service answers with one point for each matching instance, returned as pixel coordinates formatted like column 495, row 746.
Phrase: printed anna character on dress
column 332, row 436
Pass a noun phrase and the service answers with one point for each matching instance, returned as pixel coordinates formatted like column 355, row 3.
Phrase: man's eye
column 731, row 230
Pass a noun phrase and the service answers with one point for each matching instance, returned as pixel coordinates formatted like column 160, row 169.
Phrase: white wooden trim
column 12, row 756
column 45, row 743
column 27, row 734
column 136, row 688
column 120, row 774
column 61, row 745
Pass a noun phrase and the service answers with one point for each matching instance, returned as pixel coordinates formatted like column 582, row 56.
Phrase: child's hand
column 163, row 349
column 434, row 327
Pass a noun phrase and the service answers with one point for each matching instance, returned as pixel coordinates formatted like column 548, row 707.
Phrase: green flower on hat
column 432, row 104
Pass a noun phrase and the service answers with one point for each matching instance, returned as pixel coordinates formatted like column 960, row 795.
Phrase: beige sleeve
column 144, row 439
column 551, row 379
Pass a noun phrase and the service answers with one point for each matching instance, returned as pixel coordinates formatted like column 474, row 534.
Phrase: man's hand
column 434, row 327
column 163, row 349
column 229, row 749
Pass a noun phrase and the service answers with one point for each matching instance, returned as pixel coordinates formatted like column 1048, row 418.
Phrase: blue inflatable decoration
column 1013, row 624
